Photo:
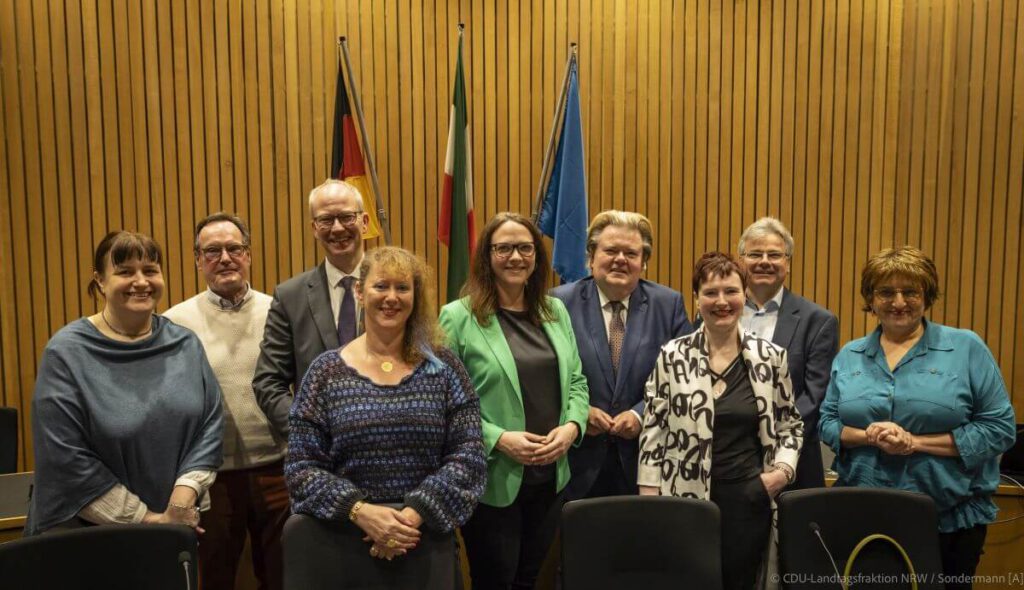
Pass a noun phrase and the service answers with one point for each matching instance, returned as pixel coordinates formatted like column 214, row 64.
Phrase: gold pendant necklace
column 385, row 365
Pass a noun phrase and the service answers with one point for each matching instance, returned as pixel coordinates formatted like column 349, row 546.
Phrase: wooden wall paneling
column 174, row 191
column 859, row 124
column 667, row 234
column 419, row 191
column 806, row 189
column 252, row 211
column 704, row 208
column 1011, row 355
column 962, row 54
column 999, row 239
column 11, row 396
column 154, row 194
column 986, row 223
column 628, row 196
column 184, row 202
column 48, row 207
column 64, row 216
column 710, row 78
column 264, row 224
column 795, row 190
column 237, row 153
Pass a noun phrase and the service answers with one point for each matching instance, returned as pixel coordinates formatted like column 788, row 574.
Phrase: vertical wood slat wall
column 860, row 124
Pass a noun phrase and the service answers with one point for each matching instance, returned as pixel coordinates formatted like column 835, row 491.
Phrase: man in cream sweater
column 249, row 494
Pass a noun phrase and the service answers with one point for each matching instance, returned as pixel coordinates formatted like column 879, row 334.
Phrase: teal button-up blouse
column 948, row 382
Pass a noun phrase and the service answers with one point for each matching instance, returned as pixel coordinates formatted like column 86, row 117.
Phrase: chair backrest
column 330, row 555
column 110, row 557
column 845, row 517
column 641, row 542
column 8, row 440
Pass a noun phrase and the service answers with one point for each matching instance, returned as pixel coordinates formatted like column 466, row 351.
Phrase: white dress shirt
column 761, row 321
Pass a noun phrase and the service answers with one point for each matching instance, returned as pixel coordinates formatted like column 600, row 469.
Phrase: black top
column 537, row 367
column 735, row 446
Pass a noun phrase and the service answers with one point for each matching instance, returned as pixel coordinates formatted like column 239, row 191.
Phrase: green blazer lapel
column 495, row 339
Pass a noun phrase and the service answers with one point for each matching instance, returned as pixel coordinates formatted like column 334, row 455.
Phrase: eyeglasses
column 504, row 250
column 773, row 256
column 213, row 253
column 326, row 222
column 888, row 294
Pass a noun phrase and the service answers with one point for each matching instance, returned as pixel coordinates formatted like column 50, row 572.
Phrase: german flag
column 347, row 159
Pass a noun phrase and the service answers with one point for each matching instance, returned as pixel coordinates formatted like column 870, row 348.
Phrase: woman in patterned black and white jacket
column 720, row 422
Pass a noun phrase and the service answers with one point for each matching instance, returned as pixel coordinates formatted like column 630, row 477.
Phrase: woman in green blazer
column 518, row 347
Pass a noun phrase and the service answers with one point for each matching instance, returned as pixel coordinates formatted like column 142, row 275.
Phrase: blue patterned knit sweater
column 417, row 443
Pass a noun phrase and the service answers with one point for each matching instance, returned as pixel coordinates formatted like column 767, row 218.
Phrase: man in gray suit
column 315, row 311
column 808, row 332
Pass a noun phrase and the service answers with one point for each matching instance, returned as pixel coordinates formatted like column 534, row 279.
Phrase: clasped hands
column 528, row 448
column 626, row 425
column 392, row 532
column 890, row 437
column 176, row 514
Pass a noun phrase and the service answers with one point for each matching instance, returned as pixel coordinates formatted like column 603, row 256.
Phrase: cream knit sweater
column 232, row 339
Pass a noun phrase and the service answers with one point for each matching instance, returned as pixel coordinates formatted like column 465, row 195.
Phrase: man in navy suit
column 621, row 322
column 808, row 332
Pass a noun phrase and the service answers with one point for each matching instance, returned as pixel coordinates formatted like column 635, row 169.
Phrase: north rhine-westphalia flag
column 455, row 226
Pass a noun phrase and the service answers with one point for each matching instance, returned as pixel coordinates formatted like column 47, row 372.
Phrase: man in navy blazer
column 808, row 332
column 617, row 316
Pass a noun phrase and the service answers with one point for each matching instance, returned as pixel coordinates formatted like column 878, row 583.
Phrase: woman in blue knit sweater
column 385, row 435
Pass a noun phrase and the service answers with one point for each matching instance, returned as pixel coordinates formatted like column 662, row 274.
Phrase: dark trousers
column 961, row 550
column 746, row 523
column 506, row 546
column 611, row 481
column 253, row 501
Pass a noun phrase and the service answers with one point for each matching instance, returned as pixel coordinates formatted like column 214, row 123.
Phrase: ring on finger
column 392, row 543
column 373, row 551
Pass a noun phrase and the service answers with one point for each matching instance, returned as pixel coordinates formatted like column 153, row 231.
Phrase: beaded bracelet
column 786, row 470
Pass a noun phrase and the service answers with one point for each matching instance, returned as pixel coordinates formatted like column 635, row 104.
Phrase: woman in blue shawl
column 126, row 414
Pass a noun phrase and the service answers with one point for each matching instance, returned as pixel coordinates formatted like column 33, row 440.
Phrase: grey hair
column 764, row 227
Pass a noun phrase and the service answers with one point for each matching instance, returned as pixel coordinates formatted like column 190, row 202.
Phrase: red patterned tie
column 616, row 333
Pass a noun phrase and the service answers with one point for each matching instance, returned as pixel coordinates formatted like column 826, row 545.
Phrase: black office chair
column 8, row 440
column 110, row 557
column 321, row 555
column 850, row 517
column 641, row 542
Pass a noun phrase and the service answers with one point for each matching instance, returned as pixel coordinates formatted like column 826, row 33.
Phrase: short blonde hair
column 626, row 219
column 422, row 335
column 331, row 182
column 905, row 262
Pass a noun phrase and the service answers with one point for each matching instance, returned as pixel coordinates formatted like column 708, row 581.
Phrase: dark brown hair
column 481, row 287
column 222, row 216
column 716, row 264
column 121, row 246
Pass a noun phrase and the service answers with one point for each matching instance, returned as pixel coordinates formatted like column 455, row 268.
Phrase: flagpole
column 382, row 214
column 539, row 200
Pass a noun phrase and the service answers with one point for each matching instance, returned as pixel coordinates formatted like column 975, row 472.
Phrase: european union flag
column 563, row 215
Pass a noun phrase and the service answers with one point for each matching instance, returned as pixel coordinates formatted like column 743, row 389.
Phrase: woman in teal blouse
column 520, row 352
column 919, row 406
